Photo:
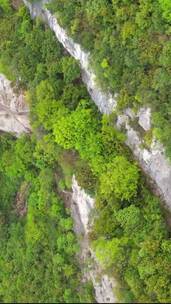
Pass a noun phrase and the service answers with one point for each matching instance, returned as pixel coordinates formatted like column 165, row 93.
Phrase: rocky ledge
column 14, row 113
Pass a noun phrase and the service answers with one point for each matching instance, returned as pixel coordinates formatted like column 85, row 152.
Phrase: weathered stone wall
column 14, row 113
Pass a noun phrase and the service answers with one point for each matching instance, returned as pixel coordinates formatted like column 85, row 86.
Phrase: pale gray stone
column 81, row 208
column 14, row 113
column 144, row 120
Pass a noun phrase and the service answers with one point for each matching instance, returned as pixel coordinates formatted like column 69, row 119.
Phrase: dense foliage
column 129, row 235
column 38, row 246
column 130, row 51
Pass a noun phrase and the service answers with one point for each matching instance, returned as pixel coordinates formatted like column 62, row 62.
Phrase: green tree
column 121, row 179
column 166, row 7
column 70, row 69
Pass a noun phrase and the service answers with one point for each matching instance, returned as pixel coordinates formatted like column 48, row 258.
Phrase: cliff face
column 14, row 113
column 14, row 117
column 151, row 159
column 81, row 207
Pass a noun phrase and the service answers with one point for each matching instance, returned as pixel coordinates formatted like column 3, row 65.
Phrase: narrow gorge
column 85, row 181
column 152, row 159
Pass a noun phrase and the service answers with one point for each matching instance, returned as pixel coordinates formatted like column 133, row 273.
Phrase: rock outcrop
column 14, row 113
column 81, row 208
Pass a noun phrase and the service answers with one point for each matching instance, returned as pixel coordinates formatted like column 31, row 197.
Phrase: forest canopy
column 69, row 136
column 130, row 47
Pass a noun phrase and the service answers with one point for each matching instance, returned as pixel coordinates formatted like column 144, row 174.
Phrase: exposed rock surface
column 81, row 208
column 153, row 160
column 104, row 101
column 14, row 113
column 145, row 118
column 14, row 118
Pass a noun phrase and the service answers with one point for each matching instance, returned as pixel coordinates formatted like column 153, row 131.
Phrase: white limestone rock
column 14, row 113
column 81, row 208
column 84, row 203
column 144, row 120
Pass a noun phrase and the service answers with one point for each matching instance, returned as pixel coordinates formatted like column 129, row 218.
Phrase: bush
column 121, row 179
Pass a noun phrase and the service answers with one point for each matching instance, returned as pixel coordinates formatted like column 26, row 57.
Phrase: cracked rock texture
column 14, row 113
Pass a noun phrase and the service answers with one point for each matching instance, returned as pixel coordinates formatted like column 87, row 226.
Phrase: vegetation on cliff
column 69, row 136
column 130, row 47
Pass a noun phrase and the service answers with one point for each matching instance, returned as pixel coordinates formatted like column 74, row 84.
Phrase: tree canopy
column 69, row 136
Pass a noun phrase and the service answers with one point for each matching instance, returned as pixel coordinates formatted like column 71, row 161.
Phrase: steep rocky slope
column 83, row 203
column 152, row 159
column 81, row 207
column 14, row 113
